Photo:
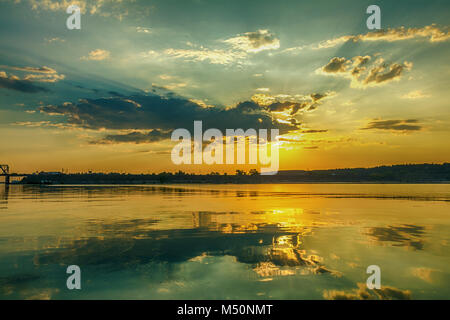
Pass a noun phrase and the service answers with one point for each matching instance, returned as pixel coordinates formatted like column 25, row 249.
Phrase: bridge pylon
column 4, row 171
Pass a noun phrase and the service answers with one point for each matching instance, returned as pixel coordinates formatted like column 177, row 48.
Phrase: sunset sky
column 108, row 96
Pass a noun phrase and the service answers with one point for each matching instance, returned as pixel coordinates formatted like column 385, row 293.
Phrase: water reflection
column 409, row 236
column 137, row 241
column 362, row 293
column 194, row 242
column 373, row 191
column 4, row 193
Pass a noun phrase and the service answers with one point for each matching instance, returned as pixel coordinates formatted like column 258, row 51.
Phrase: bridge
column 4, row 172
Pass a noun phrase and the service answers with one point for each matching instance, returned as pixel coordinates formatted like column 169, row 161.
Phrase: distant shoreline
column 396, row 174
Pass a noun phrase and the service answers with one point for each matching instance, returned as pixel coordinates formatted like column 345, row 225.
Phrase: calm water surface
column 285, row 241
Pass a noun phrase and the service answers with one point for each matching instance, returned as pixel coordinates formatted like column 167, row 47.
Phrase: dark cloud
column 318, row 96
column 363, row 73
column 165, row 113
column 409, row 236
column 361, row 60
column 134, row 137
column 261, row 38
column 335, row 65
column 294, row 104
column 396, row 125
column 379, row 74
column 281, row 106
column 14, row 83
column 255, row 41
column 314, row 131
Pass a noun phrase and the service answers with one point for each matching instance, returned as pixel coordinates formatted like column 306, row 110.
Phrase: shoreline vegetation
column 408, row 173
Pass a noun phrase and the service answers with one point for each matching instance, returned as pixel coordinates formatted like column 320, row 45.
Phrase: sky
column 106, row 97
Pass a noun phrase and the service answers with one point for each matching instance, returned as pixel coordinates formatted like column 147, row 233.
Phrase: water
column 284, row 241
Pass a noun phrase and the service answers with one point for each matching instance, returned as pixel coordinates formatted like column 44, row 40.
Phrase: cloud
column 135, row 137
column 143, row 30
column 175, row 85
column 394, row 125
column 432, row 33
column 150, row 54
column 332, row 42
column 336, row 64
column 97, row 55
column 291, row 104
column 241, row 46
column 41, row 74
column 214, row 56
column 164, row 113
column 314, row 131
column 408, row 236
column 44, row 78
column 55, row 39
column 287, row 105
column 14, row 83
column 428, row 274
column 43, row 69
column 423, row 273
column 254, row 41
column 413, row 95
column 383, row 73
column 359, row 61
column 105, row 8
column 362, row 72
column 33, row 124
column 166, row 77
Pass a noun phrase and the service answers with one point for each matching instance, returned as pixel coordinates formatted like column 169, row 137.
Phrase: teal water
column 291, row 241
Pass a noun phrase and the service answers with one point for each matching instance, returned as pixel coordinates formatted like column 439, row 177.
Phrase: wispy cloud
column 135, row 137
column 254, row 41
column 97, row 55
column 54, row 39
column 41, row 74
column 13, row 82
column 238, row 48
column 106, row 8
column 25, row 83
column 426, row 274
column 394, row 125
column 144, row 30
column 416, row 94
column 430, row 33
column 43, row 69
column 214, row 56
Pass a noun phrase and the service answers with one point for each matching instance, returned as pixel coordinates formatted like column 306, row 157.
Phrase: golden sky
column 108, row 96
